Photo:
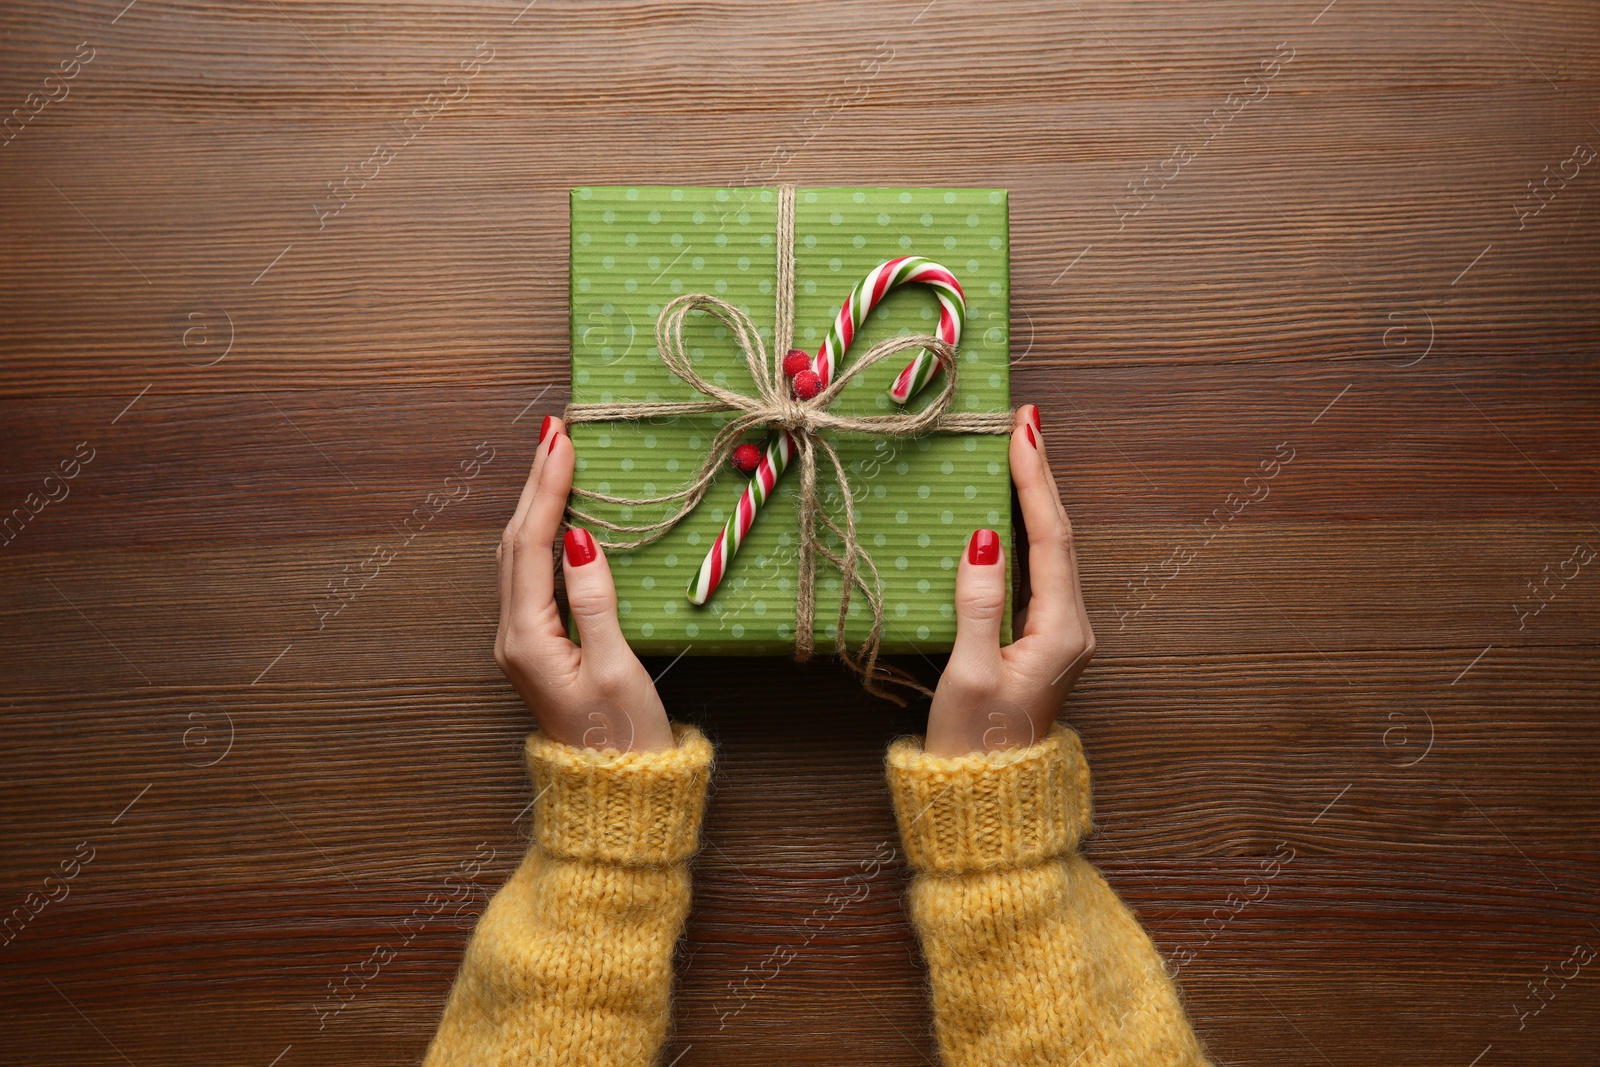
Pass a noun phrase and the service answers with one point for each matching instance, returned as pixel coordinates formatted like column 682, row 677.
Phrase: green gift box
column 918, row 499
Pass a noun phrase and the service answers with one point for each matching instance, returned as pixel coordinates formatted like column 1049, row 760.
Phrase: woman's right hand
column 593, row 695
column 991, row 697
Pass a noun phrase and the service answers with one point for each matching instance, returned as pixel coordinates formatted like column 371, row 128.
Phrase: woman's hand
column 595, row 696
column 991, row 697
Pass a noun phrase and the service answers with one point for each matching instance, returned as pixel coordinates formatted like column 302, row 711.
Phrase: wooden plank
column 1496, row 444
column 345, row 784
column 106, row 619
column 1434, row 935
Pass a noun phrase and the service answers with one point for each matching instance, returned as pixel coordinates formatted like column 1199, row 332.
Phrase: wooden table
column 1242, row 232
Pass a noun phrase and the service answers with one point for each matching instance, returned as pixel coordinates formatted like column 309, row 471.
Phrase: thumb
column 591, row 595
column 980, row 600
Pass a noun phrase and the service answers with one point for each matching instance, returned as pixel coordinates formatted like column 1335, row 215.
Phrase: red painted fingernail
column 544, row 428
column 579, row 545
column 1032, row 440
column 1034, row 412
column 984, row 548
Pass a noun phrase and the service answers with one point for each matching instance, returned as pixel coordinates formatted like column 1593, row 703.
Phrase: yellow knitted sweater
column 1033, row 960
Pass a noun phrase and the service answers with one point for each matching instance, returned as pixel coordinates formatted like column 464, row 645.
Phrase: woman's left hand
column 597, row 695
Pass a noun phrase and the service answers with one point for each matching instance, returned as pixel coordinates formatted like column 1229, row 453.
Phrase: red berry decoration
column 746, row 458
column 807, row 384
column 795, row 362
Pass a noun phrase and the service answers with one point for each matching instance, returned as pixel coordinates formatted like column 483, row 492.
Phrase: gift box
column 918, row 499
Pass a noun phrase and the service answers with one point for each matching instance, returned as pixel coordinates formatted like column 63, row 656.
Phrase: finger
column 1052, row 564
column 980, row 607
column 533, row 583
column 592, row 597
column 504, row 554
column 1029, row 413
column 551, row 428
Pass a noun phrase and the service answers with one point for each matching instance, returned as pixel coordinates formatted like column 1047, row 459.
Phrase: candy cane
column 780, row 446
column 867, row 295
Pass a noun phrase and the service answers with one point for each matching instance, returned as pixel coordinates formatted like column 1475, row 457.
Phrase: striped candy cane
column 780, row 447
column 867, row 295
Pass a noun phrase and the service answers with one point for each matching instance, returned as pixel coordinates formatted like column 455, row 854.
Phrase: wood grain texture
column 1347, row 268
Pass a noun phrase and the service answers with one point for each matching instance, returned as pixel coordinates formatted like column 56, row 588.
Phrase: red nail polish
column 579, row 546
column 984, row 548
column 544, row 428
column 1034, row 411
column 1032, row 440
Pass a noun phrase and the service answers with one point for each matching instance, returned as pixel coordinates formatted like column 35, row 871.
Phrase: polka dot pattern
column 635, row 248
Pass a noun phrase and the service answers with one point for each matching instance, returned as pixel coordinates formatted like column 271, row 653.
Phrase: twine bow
column 773, row 407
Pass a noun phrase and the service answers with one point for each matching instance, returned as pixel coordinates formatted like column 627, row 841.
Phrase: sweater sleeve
column 572, row 960
column 1032, row 958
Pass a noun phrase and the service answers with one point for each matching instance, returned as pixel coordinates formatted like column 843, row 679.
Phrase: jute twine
column 774, row 408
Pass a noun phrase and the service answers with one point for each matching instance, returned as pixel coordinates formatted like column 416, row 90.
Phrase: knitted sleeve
column 572, row 960
column 1032, row 957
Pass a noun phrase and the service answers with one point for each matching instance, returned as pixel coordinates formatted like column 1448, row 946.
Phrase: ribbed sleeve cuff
column 1010, row 808
column 639, row 809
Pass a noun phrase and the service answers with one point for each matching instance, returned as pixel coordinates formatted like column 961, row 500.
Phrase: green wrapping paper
column 918, row 500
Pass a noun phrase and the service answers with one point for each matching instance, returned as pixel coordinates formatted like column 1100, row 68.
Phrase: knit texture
column 572, row 961
column 1033, row 960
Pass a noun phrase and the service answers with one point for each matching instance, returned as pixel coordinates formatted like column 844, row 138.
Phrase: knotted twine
column 774, row 408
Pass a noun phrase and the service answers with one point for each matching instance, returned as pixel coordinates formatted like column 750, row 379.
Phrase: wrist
column 632, row 808
column 1014, row 808
column 991, row 726
column 610, row 730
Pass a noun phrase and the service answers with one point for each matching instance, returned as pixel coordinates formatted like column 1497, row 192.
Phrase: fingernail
column 1032, row 438
column 1033, row 411
column 579, row 546
column 544, row 428
column 984, row 548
